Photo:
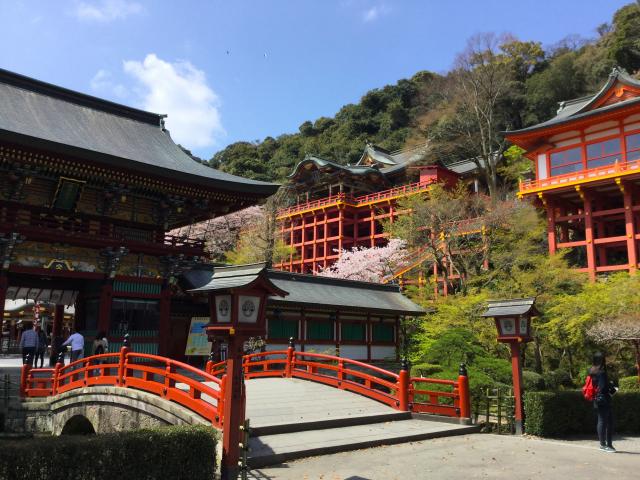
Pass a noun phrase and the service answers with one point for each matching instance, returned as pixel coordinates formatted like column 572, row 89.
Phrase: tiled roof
column 55, row 119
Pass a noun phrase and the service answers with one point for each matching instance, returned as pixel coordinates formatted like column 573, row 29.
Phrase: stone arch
column 78, row 425
column 114, row 409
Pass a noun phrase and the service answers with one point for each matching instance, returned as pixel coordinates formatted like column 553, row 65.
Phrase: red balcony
column 578, row 178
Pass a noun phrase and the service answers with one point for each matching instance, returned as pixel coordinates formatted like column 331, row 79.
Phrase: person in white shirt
column 76, row 340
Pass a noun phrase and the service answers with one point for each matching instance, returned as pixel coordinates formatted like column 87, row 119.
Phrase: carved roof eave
column 83, row 169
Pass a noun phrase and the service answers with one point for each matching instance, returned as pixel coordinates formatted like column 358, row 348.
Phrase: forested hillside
column 520, row 83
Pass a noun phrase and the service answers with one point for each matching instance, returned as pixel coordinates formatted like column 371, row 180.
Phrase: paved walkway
column 476, row 456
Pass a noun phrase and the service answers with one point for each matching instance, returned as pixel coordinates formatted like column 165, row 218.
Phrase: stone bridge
column 98, row 409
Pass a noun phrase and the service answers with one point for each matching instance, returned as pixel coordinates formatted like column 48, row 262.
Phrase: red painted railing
column 357, row 201
column 397, row 390
column 583, row 176
column 166, row 378
column 203, row 391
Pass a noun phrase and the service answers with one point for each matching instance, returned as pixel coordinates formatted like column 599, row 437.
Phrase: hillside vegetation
column 528, row 82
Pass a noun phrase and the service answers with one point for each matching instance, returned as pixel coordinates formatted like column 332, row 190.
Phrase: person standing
column 100, row 344
column 29, row 344
column 76, row 340
column 602, row 402
column 42, row 346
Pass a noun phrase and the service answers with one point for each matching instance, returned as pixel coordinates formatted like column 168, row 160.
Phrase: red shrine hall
column 343, row 206
column 587, row 171
column 88, row 191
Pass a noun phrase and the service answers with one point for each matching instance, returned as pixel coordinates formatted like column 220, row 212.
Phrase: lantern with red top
column 237, row 302
column 513, row 322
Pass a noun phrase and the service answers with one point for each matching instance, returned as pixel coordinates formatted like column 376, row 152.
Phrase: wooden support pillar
column 632, row 252
column 104, row 312
column 518, row 390
column 372, row 223
column 165, row 321
column 325, row 246
column 551, row 226
column 588, row 232
column 303, row 250
column 340, row 230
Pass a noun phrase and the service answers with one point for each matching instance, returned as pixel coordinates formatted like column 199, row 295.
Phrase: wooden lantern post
column 237, row 302
column 513, row 323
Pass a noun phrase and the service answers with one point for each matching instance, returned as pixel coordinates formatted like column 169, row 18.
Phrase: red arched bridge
column 202, row 391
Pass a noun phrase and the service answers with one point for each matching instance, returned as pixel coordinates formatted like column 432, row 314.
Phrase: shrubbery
column 629, row 384
column 172, row 452
column 552, row 414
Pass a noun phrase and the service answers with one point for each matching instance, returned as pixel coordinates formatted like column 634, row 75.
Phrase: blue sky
column 241, row 70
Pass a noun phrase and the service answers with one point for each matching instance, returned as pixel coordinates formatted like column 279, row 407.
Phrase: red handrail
column 580, row 176
column 357, row 201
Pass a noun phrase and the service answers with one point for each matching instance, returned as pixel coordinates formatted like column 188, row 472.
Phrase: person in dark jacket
column 42, row 346
column 602, row 402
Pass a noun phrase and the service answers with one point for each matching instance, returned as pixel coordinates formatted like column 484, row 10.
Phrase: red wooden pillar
column 104, row 312
column 303, row 250
column 516, row 371
column 165, row 321
column 372, row 226
column 551, row 227
column 340, row 229
column 234, row 408
column 4, row 284
column 632, row 253
column 588, row 233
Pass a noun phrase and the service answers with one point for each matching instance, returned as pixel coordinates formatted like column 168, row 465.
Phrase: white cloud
column 102, row 82
column 375, row 12
column 106, row 10
column 181, row 91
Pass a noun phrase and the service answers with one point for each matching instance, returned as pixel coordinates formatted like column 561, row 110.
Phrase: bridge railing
column 398, row 390
column 203, row 391
column 197, row 390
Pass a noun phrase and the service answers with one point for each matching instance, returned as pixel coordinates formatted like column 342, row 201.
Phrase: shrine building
column 587, row 175
column 340, row 207
column 88, row 191
column 351, row 319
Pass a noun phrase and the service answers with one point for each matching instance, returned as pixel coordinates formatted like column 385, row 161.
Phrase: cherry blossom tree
column 222, row 234
column 374, row 264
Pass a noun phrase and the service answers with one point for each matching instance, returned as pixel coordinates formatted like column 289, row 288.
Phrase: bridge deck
column 281, row 401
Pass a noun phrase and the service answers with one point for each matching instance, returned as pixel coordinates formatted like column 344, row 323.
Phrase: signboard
column 197, row 342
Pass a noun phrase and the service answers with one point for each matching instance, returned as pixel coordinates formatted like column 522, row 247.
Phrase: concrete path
column 469, row 457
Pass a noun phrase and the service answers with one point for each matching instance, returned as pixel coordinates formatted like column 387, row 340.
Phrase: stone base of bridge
column 108, row 409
